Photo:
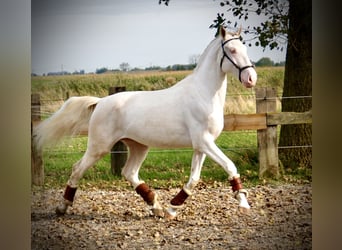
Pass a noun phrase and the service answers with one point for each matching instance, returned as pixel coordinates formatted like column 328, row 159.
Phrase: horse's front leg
column 219, row 157
column 240, row 193
column 178, row 201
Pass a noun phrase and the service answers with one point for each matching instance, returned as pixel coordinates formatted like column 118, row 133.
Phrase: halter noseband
column 235, row 65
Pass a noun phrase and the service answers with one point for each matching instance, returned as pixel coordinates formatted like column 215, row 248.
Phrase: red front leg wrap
column 179, row 198
column 146, row 193
column 69, row 193
column 236, row 184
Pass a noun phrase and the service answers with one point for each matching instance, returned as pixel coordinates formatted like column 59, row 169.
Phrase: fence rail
column 265, row 122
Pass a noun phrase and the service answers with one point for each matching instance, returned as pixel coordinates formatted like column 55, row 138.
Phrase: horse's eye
column 232, row 50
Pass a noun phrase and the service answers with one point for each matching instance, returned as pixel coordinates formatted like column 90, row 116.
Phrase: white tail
column 72, row 118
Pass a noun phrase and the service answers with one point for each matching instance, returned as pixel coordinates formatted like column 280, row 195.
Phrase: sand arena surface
column 280, row 218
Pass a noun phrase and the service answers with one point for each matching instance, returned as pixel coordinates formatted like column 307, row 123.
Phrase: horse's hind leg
column 137, row 154
column 78, row 170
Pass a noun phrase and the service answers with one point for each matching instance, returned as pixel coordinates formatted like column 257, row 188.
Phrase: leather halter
column 225, row 55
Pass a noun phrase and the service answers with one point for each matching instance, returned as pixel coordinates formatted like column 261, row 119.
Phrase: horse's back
column 154, row 118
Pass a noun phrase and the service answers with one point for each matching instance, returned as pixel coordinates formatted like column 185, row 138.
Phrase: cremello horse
column 188, row 114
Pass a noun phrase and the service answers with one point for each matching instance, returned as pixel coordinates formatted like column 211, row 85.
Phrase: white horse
column 188, row 114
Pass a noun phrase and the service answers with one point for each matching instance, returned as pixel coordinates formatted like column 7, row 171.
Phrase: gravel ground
column 280, row 218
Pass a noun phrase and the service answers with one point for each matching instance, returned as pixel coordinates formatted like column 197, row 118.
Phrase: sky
column 74, row 35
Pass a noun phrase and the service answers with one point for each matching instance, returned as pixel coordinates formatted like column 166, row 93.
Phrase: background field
column 162, row 168
column 55, row 89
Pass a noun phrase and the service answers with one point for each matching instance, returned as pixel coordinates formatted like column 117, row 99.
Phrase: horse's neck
column 210, row 80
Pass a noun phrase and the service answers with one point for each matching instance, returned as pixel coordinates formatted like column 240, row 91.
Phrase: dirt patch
column 280, row 218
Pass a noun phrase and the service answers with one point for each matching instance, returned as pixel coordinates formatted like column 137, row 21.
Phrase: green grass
column 162, row 168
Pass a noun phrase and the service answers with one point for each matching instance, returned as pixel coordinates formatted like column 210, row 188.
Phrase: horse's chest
column 215, row 123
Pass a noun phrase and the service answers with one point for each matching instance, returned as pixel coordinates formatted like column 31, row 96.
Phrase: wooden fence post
column 267, row 138
column 118, row 153
column 37, row 166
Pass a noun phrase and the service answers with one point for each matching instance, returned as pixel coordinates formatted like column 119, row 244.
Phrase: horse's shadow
column 125, row 216
column 43, row 216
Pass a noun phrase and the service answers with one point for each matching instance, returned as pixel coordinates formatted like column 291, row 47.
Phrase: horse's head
column 235, row 59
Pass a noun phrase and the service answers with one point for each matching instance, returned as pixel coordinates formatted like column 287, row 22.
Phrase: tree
column 166, row 2
column 287, row 25
column 298, row 82
column 286, row 21
column 272, row 32
column 264, row 62
column 124, row 66
column 101, row 70
column 289, row 21
column 193, row 59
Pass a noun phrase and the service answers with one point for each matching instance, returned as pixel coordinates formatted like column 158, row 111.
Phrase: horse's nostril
column 251, row 80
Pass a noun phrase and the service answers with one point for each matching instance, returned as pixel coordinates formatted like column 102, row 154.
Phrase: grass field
column 162, row 168
column 55, row 89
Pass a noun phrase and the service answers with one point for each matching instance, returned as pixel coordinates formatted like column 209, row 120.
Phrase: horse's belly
column 160, row 137
column 159, row 133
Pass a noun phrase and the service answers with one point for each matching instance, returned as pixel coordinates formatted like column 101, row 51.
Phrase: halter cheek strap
column 225, row 55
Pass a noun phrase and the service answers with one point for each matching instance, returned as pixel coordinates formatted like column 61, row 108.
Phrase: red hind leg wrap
column 69, row 193
column 146, row 193
column 179, row 198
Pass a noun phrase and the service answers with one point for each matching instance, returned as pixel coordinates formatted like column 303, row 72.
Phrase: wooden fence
column 265, row 121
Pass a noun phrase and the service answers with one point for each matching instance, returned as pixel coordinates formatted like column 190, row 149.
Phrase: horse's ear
column 222, row 31
column 239, row 31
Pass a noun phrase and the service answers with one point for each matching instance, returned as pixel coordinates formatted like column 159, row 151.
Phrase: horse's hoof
column 60, row 211
column 244, row 210
column 158, row 212
column 170, row 214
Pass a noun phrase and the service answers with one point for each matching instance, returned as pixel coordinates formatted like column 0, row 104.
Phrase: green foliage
column 181, row 67
column 218, row 22
column 272, row 32
column 101, row 70
column 264, row 62
column 124, row 66
column 166, row 2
